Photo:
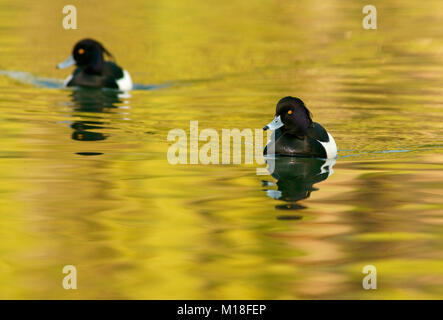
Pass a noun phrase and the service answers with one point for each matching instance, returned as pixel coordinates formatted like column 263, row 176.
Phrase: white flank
column 125, row 83
column 330, row 147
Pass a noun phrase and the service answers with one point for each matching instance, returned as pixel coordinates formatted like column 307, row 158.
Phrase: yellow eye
column 81, row 51
column 290, row 112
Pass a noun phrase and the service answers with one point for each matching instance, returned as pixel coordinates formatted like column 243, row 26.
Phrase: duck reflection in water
column 92, row 103
column 296, row 177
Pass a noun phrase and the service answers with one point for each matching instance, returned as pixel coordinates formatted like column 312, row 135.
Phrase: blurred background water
column 84, row 178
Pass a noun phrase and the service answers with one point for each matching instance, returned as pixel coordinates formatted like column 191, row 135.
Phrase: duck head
column 292, row 116
column 87, row 54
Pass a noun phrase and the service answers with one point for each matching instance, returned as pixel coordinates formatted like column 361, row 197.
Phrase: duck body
column 92, row 70
column 317, row 143
column 295, row 134
column 111, row 76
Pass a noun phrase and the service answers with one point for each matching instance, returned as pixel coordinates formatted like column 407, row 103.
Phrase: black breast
column 105, row 79
column 290, row 145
